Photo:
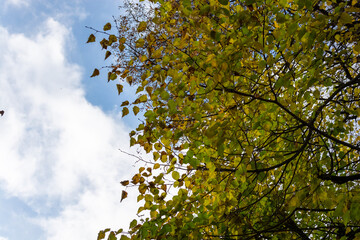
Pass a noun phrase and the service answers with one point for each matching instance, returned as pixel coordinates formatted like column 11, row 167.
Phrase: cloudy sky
column 60, row 165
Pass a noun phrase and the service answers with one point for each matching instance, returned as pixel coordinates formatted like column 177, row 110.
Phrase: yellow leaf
column 142, row 27
column 143, row 58
column 276, row 24
column 139, row 43
column 107, row 26
column 156, row 166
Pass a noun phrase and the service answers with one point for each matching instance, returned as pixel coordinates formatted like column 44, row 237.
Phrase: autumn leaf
column 136, row 110
column 107, row 27
column 119, row 88
column 107, row 54
column 124, row 195
column 91, row 38
column 142, row 27
column 124, row 183
column 125, row 111
column 95, row 73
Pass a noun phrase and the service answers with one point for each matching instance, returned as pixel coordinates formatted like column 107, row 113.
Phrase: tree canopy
column 251, row 112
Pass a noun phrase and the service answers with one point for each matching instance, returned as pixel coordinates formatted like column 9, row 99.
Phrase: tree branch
column 339, row 179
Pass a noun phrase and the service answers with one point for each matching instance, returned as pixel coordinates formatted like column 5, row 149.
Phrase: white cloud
column 54, row 145
column 17, row 3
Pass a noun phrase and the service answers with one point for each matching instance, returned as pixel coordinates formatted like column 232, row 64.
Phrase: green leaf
column 224, row 2
column 112, row 236
column 112, row 76
column 165, row 95
column 175, row 175
column 101, row 235
column 186, row 3
column 205, row 9
column 133, row 223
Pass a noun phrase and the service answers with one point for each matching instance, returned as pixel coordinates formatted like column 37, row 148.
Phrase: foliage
column 251, row 113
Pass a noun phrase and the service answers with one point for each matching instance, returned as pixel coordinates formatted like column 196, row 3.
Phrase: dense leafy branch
column 251, row 114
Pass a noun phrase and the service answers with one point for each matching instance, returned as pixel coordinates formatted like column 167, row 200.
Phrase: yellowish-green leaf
column 142, row 27
column 125, row 111
column 175, row 175
column 136, row 110
column 107, row 26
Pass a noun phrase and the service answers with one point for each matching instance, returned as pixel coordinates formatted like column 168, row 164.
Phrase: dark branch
column 339, row 179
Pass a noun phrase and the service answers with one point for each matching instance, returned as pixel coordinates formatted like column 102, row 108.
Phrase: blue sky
column 59, row 137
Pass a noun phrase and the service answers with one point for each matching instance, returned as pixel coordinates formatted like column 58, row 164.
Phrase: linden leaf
column 143, row 58
column 119, row 88
column 125, row 183
column 107, row 27
column 124, row 195
column 136, row 110
column 133, row 223
column 112, row 76
column 125, row 103
column 142, row 26
column 101, row 235
column 91, row 38
column 224, row 2
column 96, row 72
column 139, row 43
column 107, row 54
column 125, row 111
column 112, row 39
column 175, row 175
column 112, row 236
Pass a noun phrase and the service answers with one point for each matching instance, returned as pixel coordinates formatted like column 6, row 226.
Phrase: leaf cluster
column 251, row 114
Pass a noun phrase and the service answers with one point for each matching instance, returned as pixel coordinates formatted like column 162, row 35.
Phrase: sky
column 60, row 164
